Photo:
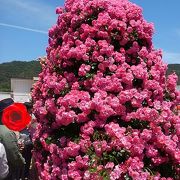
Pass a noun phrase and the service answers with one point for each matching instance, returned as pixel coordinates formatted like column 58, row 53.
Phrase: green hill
column 17, row 69
column 24, row 69
column 174, row 68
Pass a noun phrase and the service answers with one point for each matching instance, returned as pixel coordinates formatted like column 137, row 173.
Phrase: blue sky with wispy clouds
column 24, row 25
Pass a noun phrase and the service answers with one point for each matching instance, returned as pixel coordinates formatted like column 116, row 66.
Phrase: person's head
column 14, row 115
column 4, row 104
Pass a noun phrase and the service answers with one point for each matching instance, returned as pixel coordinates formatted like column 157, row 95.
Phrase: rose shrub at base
column 104, row 106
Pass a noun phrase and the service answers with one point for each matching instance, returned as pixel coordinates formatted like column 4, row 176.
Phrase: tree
column 104, row 106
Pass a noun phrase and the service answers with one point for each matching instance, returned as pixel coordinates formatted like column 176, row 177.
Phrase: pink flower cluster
column 104, row 106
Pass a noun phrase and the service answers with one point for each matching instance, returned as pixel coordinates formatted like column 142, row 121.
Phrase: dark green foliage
column 115, row 156
column 17, row 69
column 70, row 131
column 165, row 169
column 137, row 83
column 134, row 123
column 92, row 114
column 100, row 135
column 127, row 177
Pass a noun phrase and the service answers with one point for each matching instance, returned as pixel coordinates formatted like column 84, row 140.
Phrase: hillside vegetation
column 24, row 69
column 17, row 69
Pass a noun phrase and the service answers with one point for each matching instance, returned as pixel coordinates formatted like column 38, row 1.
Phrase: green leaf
column 127, row 177
column 89, row 75
column 93, row 170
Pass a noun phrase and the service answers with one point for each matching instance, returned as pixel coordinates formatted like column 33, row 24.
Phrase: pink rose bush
column 104, row 106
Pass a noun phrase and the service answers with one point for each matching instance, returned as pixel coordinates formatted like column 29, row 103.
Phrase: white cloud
column 171, row 57
column 33, row 13
column 23, row 28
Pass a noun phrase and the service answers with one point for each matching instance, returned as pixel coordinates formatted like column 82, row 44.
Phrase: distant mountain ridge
column 17, row 69
column 30, row 69
column 174, row 68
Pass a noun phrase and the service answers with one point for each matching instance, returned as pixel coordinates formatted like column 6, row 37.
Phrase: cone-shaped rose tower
column 104, row 106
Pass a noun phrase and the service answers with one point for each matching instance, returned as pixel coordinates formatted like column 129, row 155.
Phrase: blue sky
column 24, row 25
